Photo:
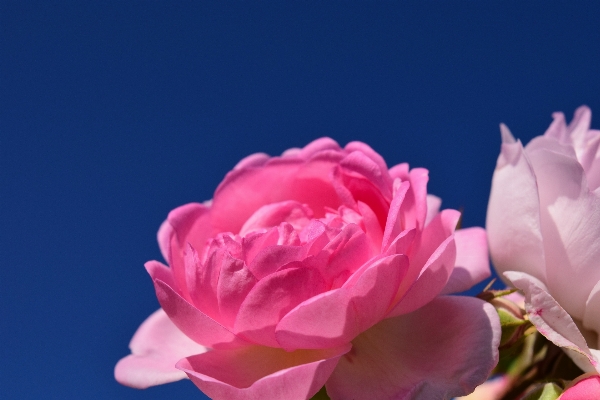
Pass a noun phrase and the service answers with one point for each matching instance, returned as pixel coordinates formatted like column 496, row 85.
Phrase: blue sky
column 113, row 113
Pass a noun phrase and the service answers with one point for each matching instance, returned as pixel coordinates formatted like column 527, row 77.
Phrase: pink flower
column 544, row 231
column 321, row 266
column 586, row 387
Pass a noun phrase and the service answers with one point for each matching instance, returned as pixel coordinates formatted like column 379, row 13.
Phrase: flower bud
column 512, row 317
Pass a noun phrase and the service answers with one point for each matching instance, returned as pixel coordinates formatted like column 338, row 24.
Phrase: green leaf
column 321, row 395
column 544, row 391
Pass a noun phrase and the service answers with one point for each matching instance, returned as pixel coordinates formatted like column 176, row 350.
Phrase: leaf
column 544, row 391
column 321, row 395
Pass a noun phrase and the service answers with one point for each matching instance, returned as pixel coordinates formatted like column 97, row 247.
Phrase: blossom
column 543, row 227
column 318, row 267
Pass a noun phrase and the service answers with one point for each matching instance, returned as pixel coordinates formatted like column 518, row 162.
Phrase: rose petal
column 414, row 207
column 271, row 215
column 257, row 373
column 373, row 230
column 578, row 129
column 318, row 146
column 348, row 251
column 552, row 321
column 591, row 316
column 472, row 260
column 558, row 128
column 513, row 221
column 586, row 388
column 253, row 160
column 272, row 297
column 337, row 316
column 360, row 163
column 373, row 155
column 271, row 258
column 591, row 162
column 163, row 236
column 349, row 182
column 433, row 207
column 155, row 348
column 401, row 357
column 189, row 225
column 194, row 323
column 402, row 244
column 430, row 282
column 400, row 171
column 432, row 258
column 394, row 225
column 235, row 282
column 570, row 222
column 237, row 197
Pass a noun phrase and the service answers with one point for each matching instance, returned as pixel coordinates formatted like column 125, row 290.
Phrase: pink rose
column 544, row 231
column 586, row 387
column 318, row 267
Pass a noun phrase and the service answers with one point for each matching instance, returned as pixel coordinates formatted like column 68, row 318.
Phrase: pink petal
column 513, row 220
column 317, row 146
column 432, row 259
column 349, row 250
column 255, row 242
column 591, row 316
column 337, row 316
column 243, row 192
column 414, row 206
column 586, row 388
column 190, row 225
column 399, row 171
column 192, row 322
column 440, row 351
column 373, row 230
column 271, row 215
column 253, row 160
column 439, row 229
column 235, row 282
column 394, row 225
column 206, row 277
column 433, row 207
column 578, row 129
column 257, row 373
column 163, row 236
column 591, row 162
column 558, row 128
column 156, row 346
column 430, row 282
column 359, row 188
column 552, row 321
column 402, row 245
column 360, row 163
column 372, row 154
column 472, row 260
column 271, row 258
column 272, row 297
column 570, row 222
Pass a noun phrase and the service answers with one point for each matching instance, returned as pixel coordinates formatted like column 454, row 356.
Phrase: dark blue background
column 113, row 113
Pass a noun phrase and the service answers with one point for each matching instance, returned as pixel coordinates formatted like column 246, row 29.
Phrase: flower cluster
column 322, row 272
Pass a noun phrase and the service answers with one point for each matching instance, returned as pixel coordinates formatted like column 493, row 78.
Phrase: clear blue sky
column 113, row 113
